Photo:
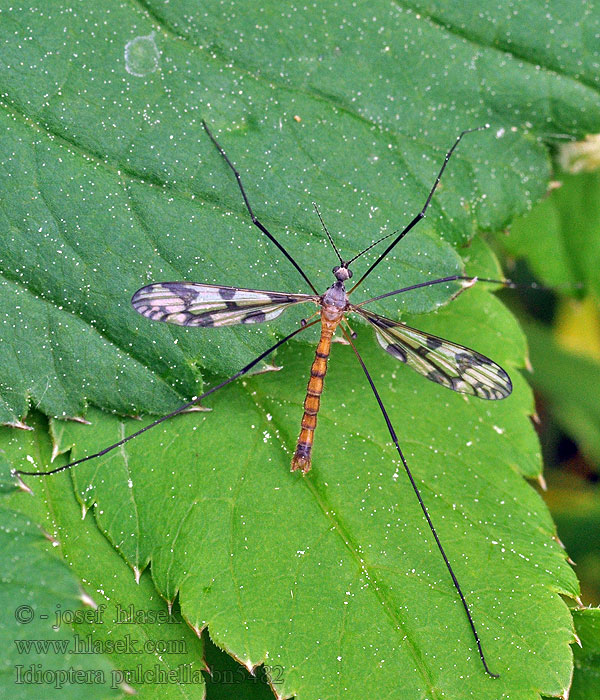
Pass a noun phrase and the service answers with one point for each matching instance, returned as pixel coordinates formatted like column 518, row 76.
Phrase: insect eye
column 335, row 269
column 349, row 272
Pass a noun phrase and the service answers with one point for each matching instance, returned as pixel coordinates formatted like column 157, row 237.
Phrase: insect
column 208, row 306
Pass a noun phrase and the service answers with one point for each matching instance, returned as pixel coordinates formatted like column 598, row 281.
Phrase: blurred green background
column 557, row 245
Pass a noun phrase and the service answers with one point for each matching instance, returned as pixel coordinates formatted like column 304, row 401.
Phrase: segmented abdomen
column 301, row 458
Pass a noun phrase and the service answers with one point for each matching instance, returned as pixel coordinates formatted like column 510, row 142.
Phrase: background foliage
column 557, row 244
column 109, row 182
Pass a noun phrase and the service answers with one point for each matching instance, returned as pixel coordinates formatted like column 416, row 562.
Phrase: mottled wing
column 453, row 366
column 208, row 306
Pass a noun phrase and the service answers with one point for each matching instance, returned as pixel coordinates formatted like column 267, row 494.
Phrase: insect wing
column 211, row 306
column 453, row 366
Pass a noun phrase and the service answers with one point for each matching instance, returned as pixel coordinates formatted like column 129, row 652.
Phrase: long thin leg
column 421, row 214
column 255, row 221
column 423, row 507
column 181, row 409
column 451, row 278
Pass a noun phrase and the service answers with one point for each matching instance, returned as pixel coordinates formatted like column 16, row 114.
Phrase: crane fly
column 453, row 366
column 210, row 306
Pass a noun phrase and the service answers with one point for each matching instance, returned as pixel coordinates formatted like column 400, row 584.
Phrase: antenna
column 421, row 214
column 372, row 246
column 337, row 252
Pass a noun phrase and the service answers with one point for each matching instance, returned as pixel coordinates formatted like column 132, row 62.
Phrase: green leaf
column 151, row 649
column 527, row 31
column 35, row 586
column 586, row 682
column 340, row 561
column 109, row 182
column 569, row 382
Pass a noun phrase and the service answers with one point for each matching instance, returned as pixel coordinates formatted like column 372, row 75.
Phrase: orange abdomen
column 312, row 402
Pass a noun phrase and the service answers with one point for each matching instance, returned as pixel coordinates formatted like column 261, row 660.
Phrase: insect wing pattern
column 453, row 366
column 208, row 306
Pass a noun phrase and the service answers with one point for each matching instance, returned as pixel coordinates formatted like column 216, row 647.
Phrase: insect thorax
column 335, row 301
